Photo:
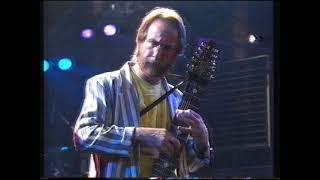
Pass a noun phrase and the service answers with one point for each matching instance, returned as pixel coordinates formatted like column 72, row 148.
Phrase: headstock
column 203, row 62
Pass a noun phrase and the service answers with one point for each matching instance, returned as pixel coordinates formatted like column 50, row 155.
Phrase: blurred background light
column 110, row 30
column 46, row 65
column 87, row 33
column 65, row 64
column 252, row 38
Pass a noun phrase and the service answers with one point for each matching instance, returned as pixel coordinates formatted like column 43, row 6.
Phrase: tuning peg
column 213, row 62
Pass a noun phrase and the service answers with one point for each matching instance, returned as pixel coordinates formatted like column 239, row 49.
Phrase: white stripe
column 84, row 132
column 92, row 169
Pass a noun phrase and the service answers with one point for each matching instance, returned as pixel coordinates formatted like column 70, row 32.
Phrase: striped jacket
column 106, row 125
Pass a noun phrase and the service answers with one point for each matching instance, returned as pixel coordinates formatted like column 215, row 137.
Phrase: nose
column 157, row 51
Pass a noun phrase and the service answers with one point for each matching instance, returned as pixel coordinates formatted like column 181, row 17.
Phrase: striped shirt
column 106, row 125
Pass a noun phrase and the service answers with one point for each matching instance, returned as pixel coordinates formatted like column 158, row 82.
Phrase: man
column 109, row 127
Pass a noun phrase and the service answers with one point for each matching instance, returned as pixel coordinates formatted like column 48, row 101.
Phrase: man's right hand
column 158, row 138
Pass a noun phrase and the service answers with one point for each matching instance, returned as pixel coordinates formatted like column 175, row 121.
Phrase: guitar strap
column 156, row 102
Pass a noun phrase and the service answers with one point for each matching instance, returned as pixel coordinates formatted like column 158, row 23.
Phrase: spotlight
column 113, row 6
column 46, row 65
column 253, row 38
column 65, row 64
column 110, row 30
column 87, row 33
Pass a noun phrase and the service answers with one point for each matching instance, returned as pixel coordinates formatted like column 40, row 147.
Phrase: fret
column 189, row 96
column 185, row 93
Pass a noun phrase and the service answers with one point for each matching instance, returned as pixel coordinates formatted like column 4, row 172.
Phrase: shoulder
column 105, row 77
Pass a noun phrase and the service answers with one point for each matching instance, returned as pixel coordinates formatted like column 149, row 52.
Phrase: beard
column 154, row 67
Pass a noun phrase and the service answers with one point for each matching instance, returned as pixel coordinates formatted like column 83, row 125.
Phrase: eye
column 168, row 47
column 152, row 43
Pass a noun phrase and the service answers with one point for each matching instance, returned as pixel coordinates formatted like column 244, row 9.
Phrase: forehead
column 162, row 30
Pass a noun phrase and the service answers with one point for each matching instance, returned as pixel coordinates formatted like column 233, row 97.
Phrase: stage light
column 65, row 64
column 113, row 6
column 87, row 33
column 46, row 65
column 252, row 38
column 110, row 30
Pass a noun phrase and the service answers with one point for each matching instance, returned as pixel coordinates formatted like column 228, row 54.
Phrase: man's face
column 158, row 52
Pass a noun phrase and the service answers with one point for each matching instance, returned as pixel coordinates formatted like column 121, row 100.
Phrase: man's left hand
column 196, row 129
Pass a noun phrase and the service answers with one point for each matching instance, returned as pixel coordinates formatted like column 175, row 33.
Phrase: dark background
column 238, row 104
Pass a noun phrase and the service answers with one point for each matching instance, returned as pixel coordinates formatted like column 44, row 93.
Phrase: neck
column 145, row 76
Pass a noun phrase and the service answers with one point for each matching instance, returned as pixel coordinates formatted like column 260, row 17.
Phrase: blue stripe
column 127, row 172
column 107, row 150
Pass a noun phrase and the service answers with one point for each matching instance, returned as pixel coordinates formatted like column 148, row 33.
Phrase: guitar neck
column 188, row 102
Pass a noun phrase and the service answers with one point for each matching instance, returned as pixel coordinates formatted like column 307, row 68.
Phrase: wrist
column 137, row 135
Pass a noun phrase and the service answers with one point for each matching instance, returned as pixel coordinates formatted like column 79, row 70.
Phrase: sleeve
column 196, row 159
column 91, row 133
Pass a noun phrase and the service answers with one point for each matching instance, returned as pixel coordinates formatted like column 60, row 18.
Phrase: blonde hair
column 161, row 13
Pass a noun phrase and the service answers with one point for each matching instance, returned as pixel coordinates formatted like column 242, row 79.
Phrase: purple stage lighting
column 87, row 33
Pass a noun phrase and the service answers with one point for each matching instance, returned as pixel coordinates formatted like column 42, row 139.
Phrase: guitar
column 200, row 70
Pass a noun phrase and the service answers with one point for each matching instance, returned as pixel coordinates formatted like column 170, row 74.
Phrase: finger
column 195, row 119
column 175, row 142
column 194, row 114
column 185, row 130
column 190, row 119
column 184, row 116
column 167, row 148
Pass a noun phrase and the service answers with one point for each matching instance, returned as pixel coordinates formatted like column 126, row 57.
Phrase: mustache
column 153, row 58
